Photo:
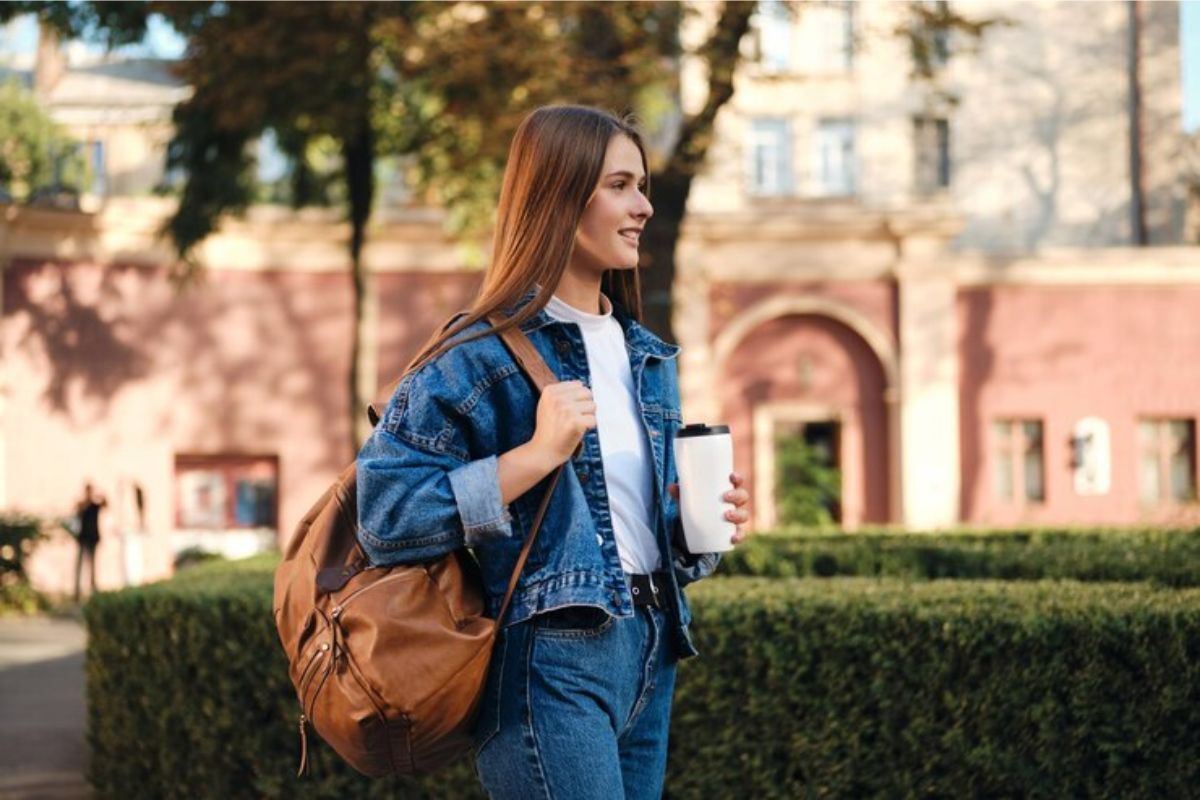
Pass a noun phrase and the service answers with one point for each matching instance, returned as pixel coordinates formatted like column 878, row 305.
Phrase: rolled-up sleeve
column 481, row 510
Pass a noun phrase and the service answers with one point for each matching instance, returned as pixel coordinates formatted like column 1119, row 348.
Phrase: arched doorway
column 814, row 370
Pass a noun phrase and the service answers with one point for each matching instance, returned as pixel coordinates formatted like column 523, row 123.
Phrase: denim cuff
column 691, row 567
column 476, row 488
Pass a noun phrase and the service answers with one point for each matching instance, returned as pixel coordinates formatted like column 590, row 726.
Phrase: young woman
column 578, row 697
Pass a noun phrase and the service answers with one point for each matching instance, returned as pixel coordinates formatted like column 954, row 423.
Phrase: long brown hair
column 554, row 166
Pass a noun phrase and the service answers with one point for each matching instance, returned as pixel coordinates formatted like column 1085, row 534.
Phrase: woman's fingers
column 739, row 497
column 739, row 514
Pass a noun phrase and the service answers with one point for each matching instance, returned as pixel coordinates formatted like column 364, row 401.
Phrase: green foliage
column 19, row 534
column 189, row 557
column 808, row 487
column 459, row 79
column 858, row 688
column 34, row 152
column 20, row 598
column 1168, row 557
column 840, row 688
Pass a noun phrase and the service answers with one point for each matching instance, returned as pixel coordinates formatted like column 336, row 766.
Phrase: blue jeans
column 577, row 706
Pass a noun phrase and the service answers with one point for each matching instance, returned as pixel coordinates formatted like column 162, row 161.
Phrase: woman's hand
column 739, row 514
column 565, row 412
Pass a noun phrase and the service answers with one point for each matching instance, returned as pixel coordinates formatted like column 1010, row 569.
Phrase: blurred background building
column 969, row 299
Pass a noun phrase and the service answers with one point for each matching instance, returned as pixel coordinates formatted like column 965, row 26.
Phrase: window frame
column 232, row 467
column 933, row 167
column 1164, row 455
column 1010, row 448
column 759, row 133
column 847, row 185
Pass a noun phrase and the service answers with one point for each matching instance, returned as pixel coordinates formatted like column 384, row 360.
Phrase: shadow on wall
column 1057, row 138
column 252, row 359
column 83, row 347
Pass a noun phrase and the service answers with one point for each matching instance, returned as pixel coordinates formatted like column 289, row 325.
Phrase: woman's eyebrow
column 623, row 173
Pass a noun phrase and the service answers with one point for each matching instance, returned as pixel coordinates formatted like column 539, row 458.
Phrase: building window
column 836, row 169
column 773, row 28
column 932, row 144
column 96, row 163
column 1167, row 460
column 835, row 30
column 825, row 37
column 770, row 157
column 931, row 41
column 1019, row 460
column 226, row 492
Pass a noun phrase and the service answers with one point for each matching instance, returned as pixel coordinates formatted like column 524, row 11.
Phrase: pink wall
column 1062, row 353
column 412, row 306
column 112, row 373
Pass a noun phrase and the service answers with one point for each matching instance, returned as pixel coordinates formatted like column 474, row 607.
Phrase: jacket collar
column 638, row 337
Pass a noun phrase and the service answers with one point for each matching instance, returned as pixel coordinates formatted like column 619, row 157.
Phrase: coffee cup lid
column 700, row 429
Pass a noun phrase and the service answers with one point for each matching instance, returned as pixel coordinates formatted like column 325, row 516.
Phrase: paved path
column 42, row 748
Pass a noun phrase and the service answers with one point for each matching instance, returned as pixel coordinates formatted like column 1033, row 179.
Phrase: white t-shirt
column 624, row 448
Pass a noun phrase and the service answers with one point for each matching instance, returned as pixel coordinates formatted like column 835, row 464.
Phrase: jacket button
column 583, row 475
column 562, row 345
column 599, row 539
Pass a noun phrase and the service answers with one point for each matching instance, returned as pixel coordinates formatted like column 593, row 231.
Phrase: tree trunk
column 669, row 194
column 672, row 185
column 1137, row 192
column 359, row 153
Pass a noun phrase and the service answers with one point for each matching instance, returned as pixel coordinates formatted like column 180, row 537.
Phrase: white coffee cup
column 704, row 459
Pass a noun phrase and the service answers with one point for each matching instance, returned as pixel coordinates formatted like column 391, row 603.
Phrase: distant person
column 89, row 536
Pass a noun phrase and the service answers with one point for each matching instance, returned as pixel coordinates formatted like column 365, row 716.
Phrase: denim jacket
column 428, row 482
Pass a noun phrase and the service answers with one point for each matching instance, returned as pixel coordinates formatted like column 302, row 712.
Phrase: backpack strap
column 535, row 367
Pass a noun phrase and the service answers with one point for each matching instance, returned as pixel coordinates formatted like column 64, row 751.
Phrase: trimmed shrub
column 839, row 688
column 859, row 688
column 1171, row 558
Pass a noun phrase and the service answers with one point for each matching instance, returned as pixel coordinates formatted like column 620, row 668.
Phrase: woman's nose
column 645, row 210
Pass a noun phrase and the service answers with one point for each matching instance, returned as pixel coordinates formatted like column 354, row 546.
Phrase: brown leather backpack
column 388, row 662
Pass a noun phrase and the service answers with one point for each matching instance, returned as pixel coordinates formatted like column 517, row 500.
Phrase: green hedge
column 1168, row 557
column 839, row 688
column 188, row 697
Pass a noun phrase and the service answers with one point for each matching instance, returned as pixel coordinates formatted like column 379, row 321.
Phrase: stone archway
column 803, row 359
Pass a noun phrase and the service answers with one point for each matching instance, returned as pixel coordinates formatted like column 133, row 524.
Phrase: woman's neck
column 578, row 292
